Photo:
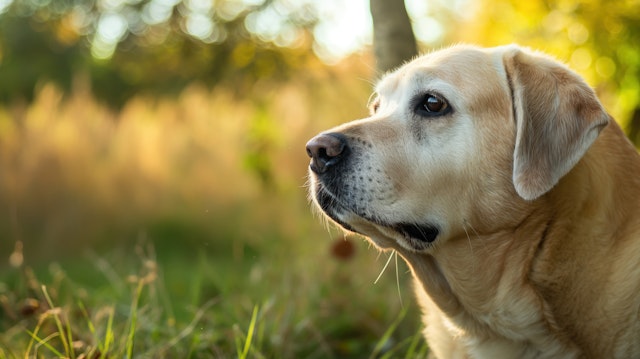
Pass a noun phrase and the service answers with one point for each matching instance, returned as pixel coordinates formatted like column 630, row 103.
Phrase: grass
column 261, row 309
column 180, row 228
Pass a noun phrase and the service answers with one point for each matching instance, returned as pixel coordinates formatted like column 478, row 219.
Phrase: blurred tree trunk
column 393, row 38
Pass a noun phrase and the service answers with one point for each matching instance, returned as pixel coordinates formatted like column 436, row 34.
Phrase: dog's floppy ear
column 557, row 118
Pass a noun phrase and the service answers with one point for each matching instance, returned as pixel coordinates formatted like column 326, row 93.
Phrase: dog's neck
column 466, row 277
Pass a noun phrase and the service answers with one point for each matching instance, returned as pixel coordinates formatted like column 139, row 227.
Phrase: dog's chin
column 411, row 236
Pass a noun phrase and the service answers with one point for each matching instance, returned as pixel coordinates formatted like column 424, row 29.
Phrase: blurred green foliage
column 127, row 47
column 120, row 48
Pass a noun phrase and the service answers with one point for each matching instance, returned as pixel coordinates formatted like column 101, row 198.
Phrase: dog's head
column 460, row 138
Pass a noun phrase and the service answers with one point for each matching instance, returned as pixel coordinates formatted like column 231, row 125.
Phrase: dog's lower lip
column 424, row 233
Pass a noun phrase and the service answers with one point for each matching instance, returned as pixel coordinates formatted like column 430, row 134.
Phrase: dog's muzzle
column 330, row 155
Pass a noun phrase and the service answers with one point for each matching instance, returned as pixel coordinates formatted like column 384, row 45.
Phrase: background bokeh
column 153, row 171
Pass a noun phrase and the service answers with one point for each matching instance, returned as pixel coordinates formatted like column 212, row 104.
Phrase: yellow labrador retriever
column 509, row 191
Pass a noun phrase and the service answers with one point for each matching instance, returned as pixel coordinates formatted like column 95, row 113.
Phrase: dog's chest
column 513, row 329
column 499, row 315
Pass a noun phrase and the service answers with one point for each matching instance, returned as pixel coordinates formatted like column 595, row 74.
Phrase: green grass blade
column 189, row 329
column 33, row 337
column 417, row 348
column 69, row 339
column 85, row 314
column 237, row 340
column 134, row 320
column 387, row 334
column 45, row 343
column 108, row 336
column 65, row 331
column 412, row 352
column 65, row 335
column 252, row 325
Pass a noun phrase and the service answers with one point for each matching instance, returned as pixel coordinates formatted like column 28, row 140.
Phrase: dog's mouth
column 417, row 236
column 423, row 233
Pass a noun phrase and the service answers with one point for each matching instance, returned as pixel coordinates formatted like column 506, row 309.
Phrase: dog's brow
column 389, row 82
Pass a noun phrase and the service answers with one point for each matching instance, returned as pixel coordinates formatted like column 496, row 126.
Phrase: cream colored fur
column 534, row 190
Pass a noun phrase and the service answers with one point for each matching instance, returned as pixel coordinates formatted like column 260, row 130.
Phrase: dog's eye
column 432, row 105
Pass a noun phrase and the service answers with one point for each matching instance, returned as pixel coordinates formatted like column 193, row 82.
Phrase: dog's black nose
column 326, row 150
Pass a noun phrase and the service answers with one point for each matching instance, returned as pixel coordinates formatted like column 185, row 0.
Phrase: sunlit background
column 153, row 171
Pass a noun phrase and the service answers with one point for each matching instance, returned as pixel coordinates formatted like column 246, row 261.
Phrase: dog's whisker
column 395, row 255
column 473, row 229
column 464, row 227
column 483, row 244
column 385, row 267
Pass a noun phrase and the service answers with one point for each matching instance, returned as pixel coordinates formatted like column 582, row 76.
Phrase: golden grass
column 71, row 168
